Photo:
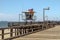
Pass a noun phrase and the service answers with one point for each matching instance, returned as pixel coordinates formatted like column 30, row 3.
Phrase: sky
column 10, row 9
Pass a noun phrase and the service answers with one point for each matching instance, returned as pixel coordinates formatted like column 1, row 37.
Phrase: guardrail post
column 32, row 29
column 22, row 31
column 11, row 32
column 2, row 33
column 42, row 27
column 27, row 31
column 15, row 32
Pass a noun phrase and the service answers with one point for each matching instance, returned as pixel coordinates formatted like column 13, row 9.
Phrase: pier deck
column 49, row 34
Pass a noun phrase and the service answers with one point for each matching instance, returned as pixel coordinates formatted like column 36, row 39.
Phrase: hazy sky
column 9, row 9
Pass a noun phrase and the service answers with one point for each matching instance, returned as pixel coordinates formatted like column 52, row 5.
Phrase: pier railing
column 18, row 31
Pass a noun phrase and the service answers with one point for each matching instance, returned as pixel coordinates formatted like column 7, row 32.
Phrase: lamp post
column 19, row 17
column 44, row 15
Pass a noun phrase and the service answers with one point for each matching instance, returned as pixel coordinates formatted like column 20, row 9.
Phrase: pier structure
column 19, row 31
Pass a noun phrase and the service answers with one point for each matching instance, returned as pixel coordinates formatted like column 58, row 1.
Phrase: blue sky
column 9, row 9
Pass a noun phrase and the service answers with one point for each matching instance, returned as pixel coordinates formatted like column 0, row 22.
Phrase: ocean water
column 3, row 24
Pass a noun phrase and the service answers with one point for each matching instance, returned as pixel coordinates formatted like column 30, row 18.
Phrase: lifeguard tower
column 29, row 15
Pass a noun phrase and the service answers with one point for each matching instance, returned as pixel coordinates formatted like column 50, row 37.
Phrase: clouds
column 8, row 17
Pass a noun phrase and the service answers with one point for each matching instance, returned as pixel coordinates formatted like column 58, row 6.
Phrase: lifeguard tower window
column 28, row 17
column 29, row 14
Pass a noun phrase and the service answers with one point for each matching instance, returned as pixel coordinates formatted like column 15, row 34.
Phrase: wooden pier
column 23, row 30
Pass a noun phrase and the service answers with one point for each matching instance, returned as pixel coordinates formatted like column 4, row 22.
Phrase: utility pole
column 44, row 15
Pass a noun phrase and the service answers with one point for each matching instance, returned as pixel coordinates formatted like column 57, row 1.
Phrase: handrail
column 20, row 30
